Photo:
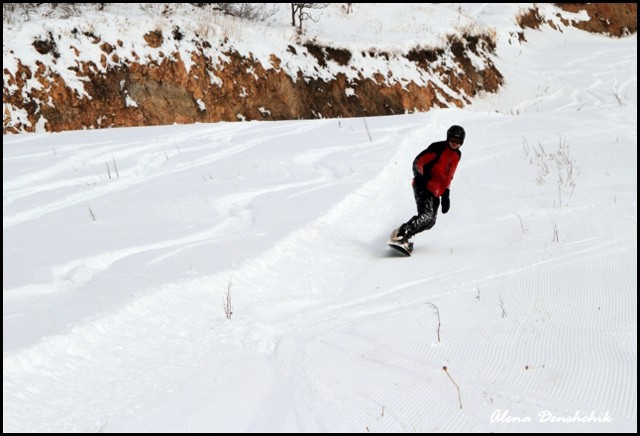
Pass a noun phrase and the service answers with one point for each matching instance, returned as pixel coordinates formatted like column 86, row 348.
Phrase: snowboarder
column 433, row 170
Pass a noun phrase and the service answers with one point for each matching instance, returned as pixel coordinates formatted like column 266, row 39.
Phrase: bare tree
column 249, row 11
column 10, row 11
column 299, row 12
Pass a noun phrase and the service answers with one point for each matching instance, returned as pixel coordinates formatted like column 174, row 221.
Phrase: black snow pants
column 427, row 205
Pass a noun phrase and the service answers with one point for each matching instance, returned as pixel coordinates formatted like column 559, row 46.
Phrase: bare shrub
column 558, row 163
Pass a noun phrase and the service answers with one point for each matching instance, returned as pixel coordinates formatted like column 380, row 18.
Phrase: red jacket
column 433, row 169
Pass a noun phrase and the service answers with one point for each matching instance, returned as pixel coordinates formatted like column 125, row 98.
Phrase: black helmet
column 455, row 132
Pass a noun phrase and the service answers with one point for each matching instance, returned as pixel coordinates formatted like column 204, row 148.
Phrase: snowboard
column 405, row 248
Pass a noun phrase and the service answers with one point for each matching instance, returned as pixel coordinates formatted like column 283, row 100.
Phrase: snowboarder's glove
column 445, row 201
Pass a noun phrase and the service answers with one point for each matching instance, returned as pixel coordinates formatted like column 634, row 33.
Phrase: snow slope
column 120, row 248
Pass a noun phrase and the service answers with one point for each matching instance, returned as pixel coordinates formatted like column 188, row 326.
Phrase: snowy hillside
column 91, row 66
column 102, row 65
column 235, row 276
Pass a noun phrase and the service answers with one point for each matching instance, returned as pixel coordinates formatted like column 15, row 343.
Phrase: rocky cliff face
column 129, row 92
column 189, row 78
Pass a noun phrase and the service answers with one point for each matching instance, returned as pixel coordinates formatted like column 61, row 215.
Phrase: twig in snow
column 367, row 129
column 116, row 167
column 504, row 312
column 227, row 302
column 438, row 315
column 521, row 225
column 455, row 384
